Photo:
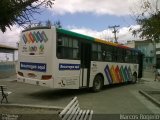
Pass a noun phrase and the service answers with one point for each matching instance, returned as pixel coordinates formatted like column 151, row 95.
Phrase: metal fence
column 7, row 69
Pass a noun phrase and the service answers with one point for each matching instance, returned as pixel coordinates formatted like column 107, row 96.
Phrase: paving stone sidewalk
column 153, row 90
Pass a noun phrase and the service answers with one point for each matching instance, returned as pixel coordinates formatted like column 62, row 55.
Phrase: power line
column 115, row 32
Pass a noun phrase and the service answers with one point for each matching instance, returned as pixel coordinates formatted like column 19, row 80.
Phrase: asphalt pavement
column 116, row 99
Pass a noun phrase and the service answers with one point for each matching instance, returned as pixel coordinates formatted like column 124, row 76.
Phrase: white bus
column 59, row 58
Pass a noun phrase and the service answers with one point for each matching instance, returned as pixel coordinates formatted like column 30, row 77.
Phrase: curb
column 32, row 106
column 153, row 100
column 147, row 79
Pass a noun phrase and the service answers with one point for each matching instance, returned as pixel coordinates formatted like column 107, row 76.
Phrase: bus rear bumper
column 45, row 83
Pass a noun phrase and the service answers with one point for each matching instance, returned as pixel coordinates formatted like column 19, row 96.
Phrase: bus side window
column 108, row 56
column 103, row 53
column 99, row 52
column 59, row 47
column 96, row 52
column 120, row 55
column 65, row 41
column 125, row 56
column 59, row 52
column 75, row 49
column 132, row 56
column 75, row 43
column 67, row 47
column 114, row 54
column 59, row 42
column 128, row 56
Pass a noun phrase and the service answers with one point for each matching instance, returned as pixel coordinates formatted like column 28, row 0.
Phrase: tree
column 149, row 21
column 20, row 11
column 57, row 24
column 48, row 23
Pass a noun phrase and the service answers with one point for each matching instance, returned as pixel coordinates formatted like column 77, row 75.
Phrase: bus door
column 85, row 64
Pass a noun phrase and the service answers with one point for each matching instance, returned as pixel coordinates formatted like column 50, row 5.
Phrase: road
column 117, row 99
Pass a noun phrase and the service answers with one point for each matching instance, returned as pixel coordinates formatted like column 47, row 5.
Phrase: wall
column 7, row 69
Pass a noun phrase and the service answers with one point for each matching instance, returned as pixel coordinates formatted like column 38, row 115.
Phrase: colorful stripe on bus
column 32, row 37
column 118, row 74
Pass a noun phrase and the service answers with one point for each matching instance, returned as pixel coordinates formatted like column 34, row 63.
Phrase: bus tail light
column 46, row 77
column 20, row 73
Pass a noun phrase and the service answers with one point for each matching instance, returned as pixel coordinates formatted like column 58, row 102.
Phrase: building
column 8, row 49
column 147, row 47
column 7, row 68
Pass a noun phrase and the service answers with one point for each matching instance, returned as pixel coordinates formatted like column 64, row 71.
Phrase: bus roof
column 37, row 27
column 74, row 34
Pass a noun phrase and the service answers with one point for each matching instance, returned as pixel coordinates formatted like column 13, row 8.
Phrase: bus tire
column 97, row 83
column 134, row 78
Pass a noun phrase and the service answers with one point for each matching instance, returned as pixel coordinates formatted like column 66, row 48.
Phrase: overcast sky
column 90, row 17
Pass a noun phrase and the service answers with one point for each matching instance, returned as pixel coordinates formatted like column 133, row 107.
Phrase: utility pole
column 115, row 32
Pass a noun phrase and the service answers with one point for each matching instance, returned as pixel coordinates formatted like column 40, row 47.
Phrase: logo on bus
column 118, row 74
column 32, row 48
column 34, row 37
column 63, row 66
column 40, row 67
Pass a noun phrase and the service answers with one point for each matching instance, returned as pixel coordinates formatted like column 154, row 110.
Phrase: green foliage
column 19, row 11
column 149, row 25
column 57, row 24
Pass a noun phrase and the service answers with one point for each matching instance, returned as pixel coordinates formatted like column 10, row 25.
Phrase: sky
column 89, row 17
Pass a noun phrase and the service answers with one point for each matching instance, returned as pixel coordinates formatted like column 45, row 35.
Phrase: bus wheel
column 134, row 78
column 97, row 83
